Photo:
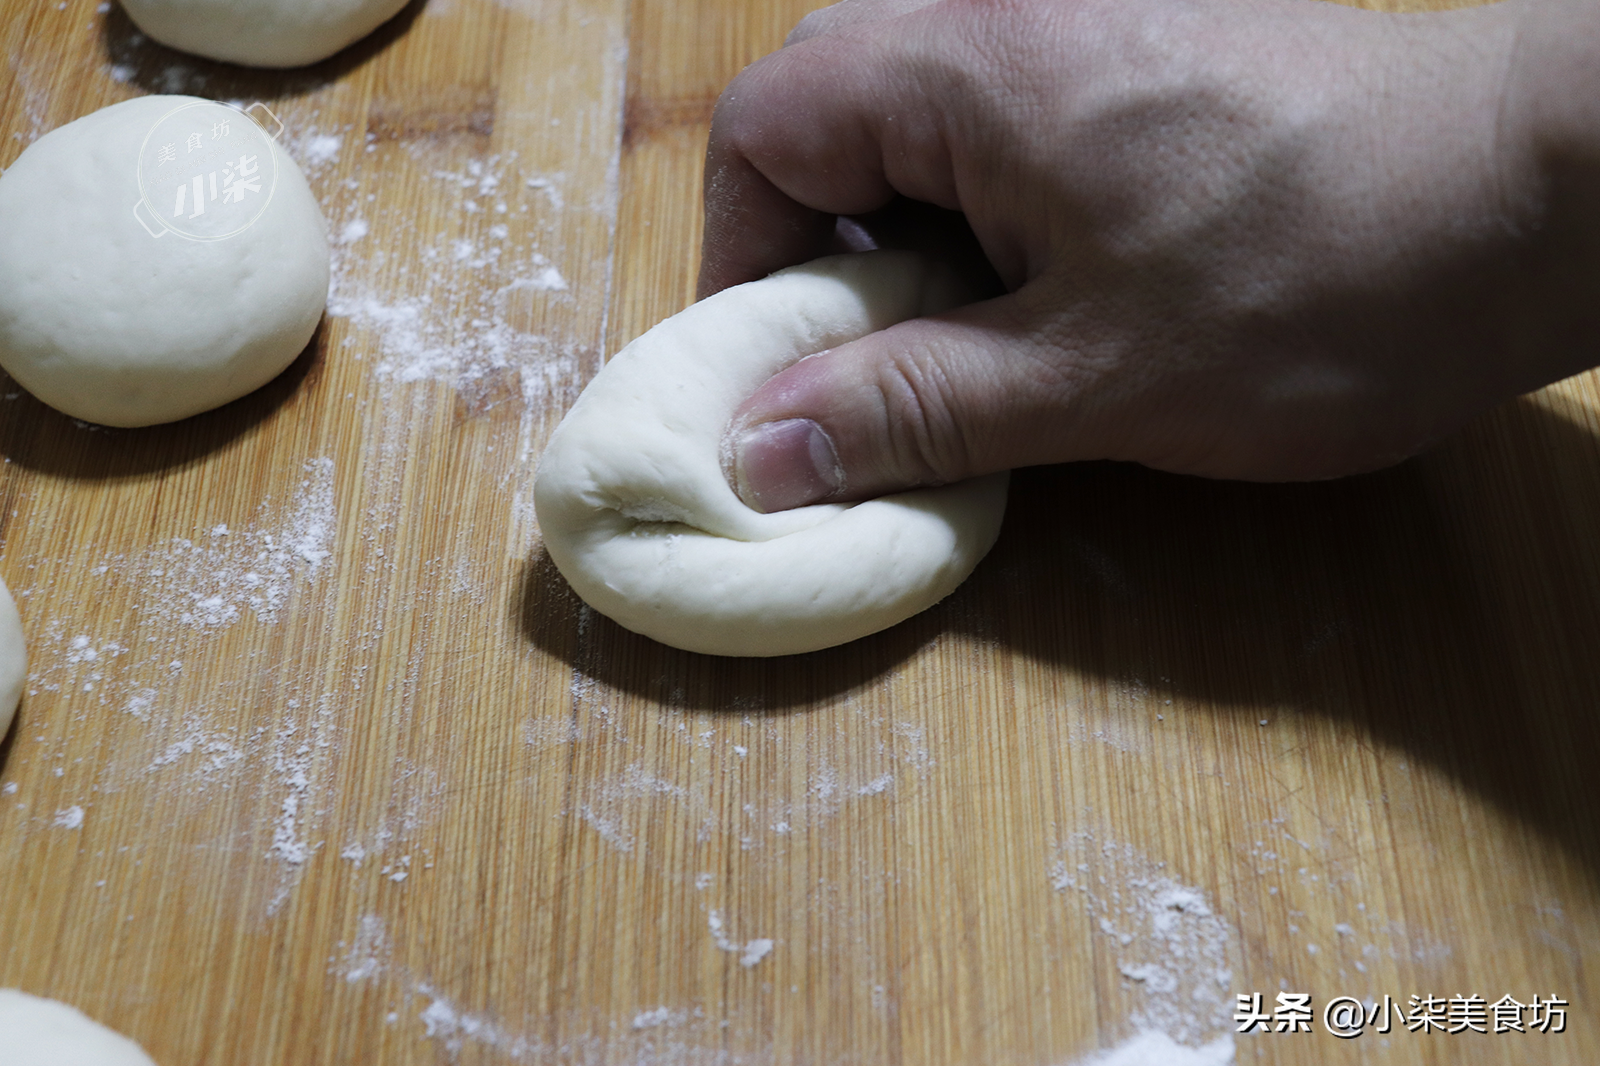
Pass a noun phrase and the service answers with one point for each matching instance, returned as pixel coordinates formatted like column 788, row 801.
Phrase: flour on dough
column 261, row 33
column 13, row 659
column 41, row 1032
column 636, row 512
column 128, row 296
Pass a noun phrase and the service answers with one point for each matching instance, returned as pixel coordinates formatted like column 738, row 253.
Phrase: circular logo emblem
column 206, row 171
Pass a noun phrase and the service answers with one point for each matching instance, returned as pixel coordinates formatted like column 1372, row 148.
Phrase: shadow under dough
column 155, row 68
column 37, row 436
column 552, row 616
column 1448, row 608
column 9, row 741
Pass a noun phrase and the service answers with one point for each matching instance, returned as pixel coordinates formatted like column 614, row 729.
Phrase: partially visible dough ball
column 42, row 1032
column 637, row 514
column 13, row 658
column 261, row 33
column 104, row 320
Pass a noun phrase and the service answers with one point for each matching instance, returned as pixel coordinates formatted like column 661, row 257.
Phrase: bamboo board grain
column 418, row 806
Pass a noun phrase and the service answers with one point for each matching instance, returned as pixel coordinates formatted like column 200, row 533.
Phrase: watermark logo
column 207, row 171
column 1347, row 1017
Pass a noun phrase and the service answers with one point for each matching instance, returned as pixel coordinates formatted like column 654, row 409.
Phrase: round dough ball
column 637, row 514
column 13, row 659
column 158, row 258
column 43, row 1032
column 261, row 33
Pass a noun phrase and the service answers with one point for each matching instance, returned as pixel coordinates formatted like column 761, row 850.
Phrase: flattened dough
column 116, row 313
column 42, row 1032
column 13, row 659
column 637, row 514
column 261, row 33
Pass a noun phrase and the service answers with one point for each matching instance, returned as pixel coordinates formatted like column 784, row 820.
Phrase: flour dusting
column 651, row 1019
column 458, row 313
column 215, row 579
column 1154, row 1048
column 200, row 584
column 442, row 1021
column 208, row 752
column 369, row 953
column 750, row 953
column 885, row 757
column 320, row 149
column 1171, row 948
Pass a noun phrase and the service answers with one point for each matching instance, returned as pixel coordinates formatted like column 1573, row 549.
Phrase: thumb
column 926, row 402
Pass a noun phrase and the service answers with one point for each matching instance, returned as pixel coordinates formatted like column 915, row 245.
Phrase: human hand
column 1263, row 239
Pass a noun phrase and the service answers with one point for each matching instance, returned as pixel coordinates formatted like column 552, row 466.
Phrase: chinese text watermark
column 1348, row 1017
column 207, row 171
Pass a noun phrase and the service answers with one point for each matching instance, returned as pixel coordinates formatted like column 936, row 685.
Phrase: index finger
column 835, row 125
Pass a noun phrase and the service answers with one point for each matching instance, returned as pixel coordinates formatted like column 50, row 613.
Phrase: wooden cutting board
column 320, row 761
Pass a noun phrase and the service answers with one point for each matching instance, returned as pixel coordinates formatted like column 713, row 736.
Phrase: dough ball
column 637, row 514
column 42, row 1032
column 261, row 33
column 158, row 258
column 13, row 660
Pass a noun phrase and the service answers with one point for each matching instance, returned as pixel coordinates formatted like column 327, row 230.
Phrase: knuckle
column 813, row 25
column 925, row 438
column 755, row 109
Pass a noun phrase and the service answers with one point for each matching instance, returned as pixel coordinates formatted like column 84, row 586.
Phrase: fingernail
column 779, row 465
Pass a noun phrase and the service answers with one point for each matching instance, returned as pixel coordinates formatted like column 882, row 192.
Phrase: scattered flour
column 218, row 751
column 369, row 957
column 443, row 1022
column 314, row 148
column 651, row 1019
column 882, row 758
column 417, row 794
column 1171, row 947
column 1154, row 1048
column 69, row 818
column 298, row 750
column 317, row 150
column 550, row 185
column 608, row 813
column 287, row 842
column 212, row 581
column 33, row 78
column 750, row 952
column 454, row 313
column 651, row 1038
column 369, row 954
column 81, row 666
column 180, row 591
